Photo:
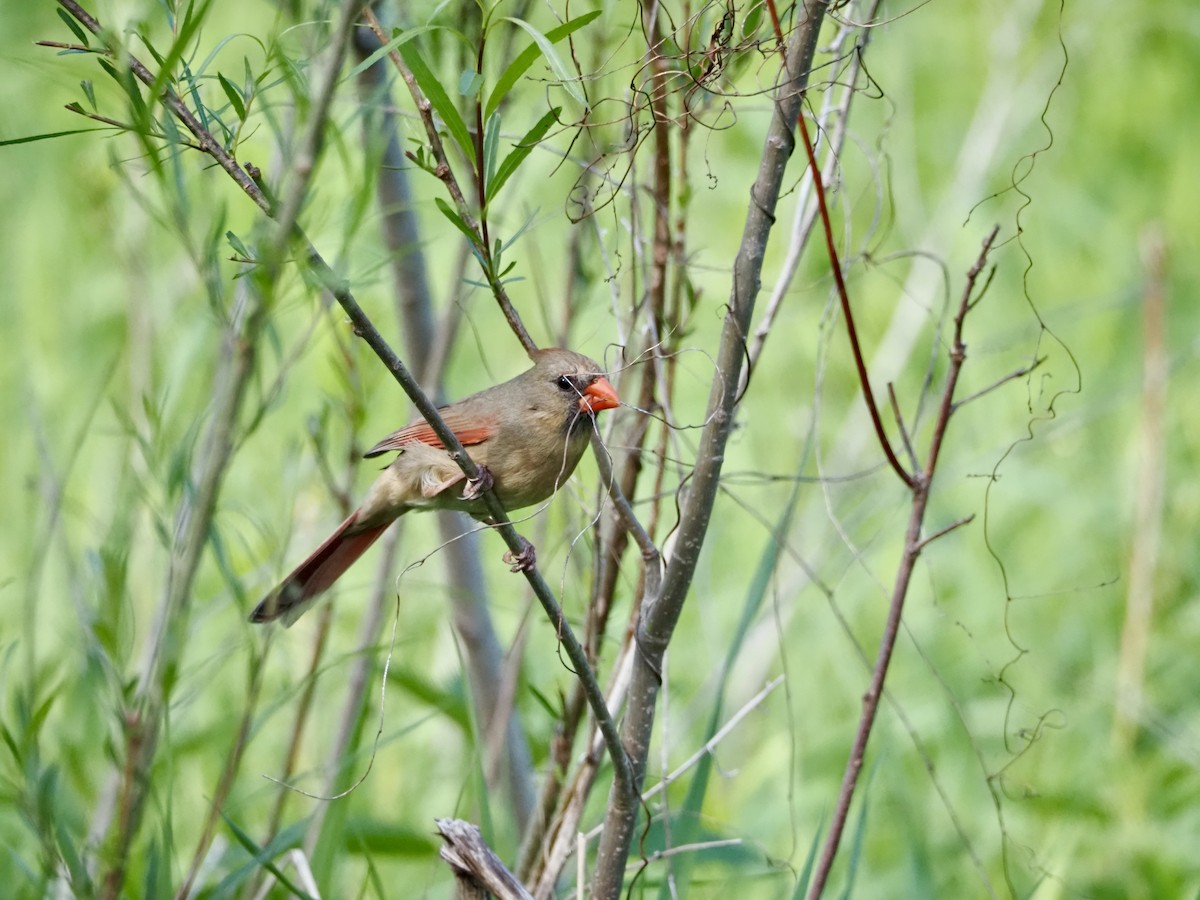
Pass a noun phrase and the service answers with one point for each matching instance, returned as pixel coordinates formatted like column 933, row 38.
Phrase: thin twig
column 860, row 364
column 1011, row 376
column 913, row 544
column 908, row 447
column 937, row 535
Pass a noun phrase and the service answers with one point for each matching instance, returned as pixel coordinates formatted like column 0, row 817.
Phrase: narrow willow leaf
column 81, row 884
column 74, row 26
column 469, row 84
column 220, row 45
column 491, row 146
column 440, row 100
column 238, row 247
column 252, row 848
column 545, row 703
column 523, row 148
column 190, row 27
column 197, row 103
column 137, row 104
column 235, row 97
column 363, row 835
column 805, row 877
column 527, row 57
column 566, row 77
column 32, row 138
column 89, row 91
column 457, row 221
column 449, row 701
column 860, row 830
column 398, row 38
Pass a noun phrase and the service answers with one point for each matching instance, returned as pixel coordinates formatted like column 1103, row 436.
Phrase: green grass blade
column 527, row 57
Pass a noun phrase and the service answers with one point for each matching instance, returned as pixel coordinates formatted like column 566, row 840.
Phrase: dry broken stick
column 478, row 870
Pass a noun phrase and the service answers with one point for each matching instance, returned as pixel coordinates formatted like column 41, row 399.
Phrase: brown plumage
column 528, row 433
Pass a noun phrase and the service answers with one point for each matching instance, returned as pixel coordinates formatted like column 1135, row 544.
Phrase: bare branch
column 965, row 520
column 913, row 544
column 660, row 614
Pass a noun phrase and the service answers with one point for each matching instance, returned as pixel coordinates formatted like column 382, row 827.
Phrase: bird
column 526, row 435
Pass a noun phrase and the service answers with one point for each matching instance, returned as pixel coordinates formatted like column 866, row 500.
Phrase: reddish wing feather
column 468, row 432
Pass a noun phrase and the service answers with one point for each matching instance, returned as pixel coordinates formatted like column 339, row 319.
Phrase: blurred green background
column 1001, row 763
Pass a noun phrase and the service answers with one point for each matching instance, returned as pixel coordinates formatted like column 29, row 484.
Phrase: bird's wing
column 469, row 428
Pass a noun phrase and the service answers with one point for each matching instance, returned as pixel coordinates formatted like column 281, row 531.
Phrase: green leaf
column 446, row 699
column 368, row 835
column 457, row 221
column 545, row 703
column 29, row 139
column 253, row 849
column 810, row 861
column 438, row 98
column 398, row 38
column 89, row 91
column 523, row 148
column 75, row 27
column 491, row 146
column 81, row 884
column 860, row 830
column 235, row 97
column 141, row 115
column 191, row 26
column 529, row 55
column 238, row 247
column 469, row 83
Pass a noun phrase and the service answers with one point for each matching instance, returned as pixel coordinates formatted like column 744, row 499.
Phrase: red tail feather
column 317, row 574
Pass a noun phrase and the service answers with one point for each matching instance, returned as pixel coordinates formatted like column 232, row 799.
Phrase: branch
column 835, row 264
column 208, row 143
column 660, row 614
column 913, row 545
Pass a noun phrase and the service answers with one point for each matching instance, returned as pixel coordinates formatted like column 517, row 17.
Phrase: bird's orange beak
column 599, row 395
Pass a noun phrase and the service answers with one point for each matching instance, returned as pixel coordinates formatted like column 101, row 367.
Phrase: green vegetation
column 166, row 354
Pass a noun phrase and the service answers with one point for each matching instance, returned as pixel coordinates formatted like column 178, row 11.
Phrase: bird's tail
column 317, row 574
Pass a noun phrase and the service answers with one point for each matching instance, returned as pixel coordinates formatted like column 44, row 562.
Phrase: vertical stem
column 1151, row 475
column 661, row 612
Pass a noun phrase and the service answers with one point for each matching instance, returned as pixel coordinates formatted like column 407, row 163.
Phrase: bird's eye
column 566, row 383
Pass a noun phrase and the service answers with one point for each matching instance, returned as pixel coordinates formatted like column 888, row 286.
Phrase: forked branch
column 914, row 543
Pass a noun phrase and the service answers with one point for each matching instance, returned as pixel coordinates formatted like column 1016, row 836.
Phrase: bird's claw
column 523, row 561
column 477, row 485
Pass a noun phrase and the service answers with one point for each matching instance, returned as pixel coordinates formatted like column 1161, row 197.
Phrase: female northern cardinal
column 526, row 435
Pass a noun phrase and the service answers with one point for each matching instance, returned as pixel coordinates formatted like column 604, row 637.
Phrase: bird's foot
column 476, row 486
column 523, row 561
